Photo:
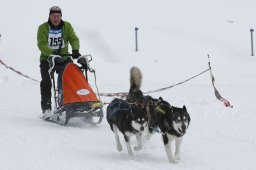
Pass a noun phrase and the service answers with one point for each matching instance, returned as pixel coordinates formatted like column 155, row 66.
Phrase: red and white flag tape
column 217, row 94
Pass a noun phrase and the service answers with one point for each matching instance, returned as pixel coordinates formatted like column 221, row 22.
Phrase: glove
column 59, row 60
column 83, row 62
column 75, row 54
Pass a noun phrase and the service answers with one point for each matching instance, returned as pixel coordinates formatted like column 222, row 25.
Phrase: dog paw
column 177, row 157
column 173, row 161
column 137, row 148
column 130, row 154
column 119, row 148
column 148, row 137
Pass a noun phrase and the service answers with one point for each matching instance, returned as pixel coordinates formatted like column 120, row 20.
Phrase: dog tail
column 135, row 78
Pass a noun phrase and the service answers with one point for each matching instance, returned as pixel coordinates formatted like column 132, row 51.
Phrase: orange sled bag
column 75, row 87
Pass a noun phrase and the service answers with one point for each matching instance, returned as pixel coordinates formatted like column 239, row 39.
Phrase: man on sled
column 53, row 38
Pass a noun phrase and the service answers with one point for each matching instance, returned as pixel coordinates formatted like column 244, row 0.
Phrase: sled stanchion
column 54, row 89
column 252, row 50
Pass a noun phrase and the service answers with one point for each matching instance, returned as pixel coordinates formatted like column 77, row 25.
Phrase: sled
column 74, row 97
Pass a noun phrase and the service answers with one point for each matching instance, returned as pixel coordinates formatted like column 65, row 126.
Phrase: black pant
column 45, row 86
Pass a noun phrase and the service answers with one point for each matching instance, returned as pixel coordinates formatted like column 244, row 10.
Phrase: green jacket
column 68, row 35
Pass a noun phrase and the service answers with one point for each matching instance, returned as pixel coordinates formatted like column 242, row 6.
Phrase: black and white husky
column 129, row 116
column 172, row 121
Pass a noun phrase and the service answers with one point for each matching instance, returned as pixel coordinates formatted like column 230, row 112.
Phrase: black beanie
column 55, row 9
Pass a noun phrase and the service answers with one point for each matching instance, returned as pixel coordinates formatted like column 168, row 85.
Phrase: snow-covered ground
column 174, row 40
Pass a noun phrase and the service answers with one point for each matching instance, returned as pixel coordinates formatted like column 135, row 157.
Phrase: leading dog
column 129, row 116
column 172, row 121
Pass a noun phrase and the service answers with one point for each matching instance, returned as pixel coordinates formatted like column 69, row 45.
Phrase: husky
column 172, row 121
column 129, row 116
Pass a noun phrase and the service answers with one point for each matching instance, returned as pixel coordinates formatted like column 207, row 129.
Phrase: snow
column 174, row 40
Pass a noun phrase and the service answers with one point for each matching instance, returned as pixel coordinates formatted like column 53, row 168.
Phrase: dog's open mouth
column 182, row 131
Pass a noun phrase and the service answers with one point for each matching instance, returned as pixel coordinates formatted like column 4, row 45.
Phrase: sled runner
column 73, row 94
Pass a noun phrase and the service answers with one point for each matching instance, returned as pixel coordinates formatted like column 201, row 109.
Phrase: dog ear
column 184, row 108
column 133, row 116
column 160, row 98
column 171, row 109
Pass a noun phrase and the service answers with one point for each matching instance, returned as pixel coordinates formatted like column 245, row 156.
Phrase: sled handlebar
column 87, row 56
column 57, row 59
column 53, row 60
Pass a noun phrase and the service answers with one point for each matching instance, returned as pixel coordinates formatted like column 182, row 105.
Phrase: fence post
column 252, row 41
column 136, row 38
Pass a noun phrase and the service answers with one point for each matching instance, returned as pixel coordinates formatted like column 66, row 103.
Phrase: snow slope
column 174, row 40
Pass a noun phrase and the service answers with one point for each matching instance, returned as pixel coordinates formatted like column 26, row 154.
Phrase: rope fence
column 18, row 72
column 124, row 94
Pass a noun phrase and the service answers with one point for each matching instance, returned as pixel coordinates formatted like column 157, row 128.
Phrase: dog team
column 138, row 114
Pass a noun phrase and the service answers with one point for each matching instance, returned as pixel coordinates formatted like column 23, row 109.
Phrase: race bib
column 55, row 39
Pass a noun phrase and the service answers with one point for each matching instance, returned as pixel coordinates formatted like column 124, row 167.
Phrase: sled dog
column 129, row 116
column 172, row 121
